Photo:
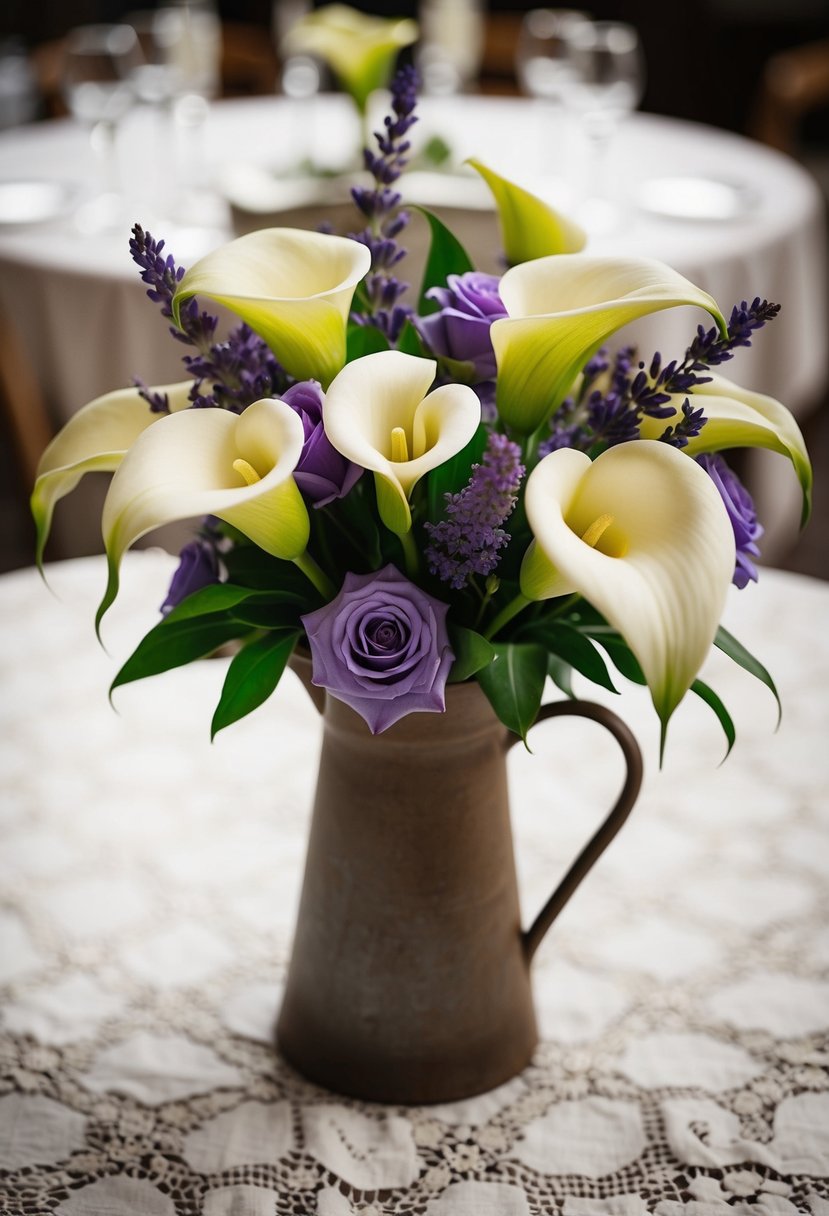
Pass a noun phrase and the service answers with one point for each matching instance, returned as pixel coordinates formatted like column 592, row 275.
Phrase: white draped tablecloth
column 148, row 883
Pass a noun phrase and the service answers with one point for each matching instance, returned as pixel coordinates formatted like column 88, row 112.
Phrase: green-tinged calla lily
column 211, row 462
column 294, row 288
column 377, row 413
column 560, row 311
column 739, row 418
column 359, row 49
column 641, row 532
column 530, row 228
column 94, row 440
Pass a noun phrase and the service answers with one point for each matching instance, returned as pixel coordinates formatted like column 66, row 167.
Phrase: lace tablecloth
column 149, row 882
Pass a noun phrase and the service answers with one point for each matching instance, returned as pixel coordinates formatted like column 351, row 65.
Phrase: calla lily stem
column 410, row 554
column 317, row 576
column 506, row 614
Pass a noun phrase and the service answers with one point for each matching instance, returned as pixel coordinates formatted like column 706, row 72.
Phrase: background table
column 149, row 882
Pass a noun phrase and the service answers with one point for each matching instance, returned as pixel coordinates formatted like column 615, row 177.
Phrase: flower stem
column 506, row 614
column 410, row 554
column 317, row 576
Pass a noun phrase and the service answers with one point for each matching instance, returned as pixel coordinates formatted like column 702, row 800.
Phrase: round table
column 81, row 312
column 149, row 884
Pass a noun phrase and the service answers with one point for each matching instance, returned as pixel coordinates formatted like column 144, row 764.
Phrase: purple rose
column 198, row 566
column 381, row 647
column 741, row 512
column 468, row 306
column 322, row 473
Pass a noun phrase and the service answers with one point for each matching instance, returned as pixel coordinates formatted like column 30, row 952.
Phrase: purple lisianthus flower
column 322, row 473
column 740, row 507
column 198, row 566
column 382, row 647
column 468, row 305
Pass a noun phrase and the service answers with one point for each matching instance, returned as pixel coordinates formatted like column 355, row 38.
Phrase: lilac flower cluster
column 470, row 539
column 603, row 416
column 238, row 371
column 381, row 207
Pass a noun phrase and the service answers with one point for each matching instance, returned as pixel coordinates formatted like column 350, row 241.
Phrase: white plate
column 33, row 202
column 694, row 198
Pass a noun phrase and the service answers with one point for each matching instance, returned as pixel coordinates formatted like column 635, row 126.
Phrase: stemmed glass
column 608, row 82
column 545, row 72
column 98, row 61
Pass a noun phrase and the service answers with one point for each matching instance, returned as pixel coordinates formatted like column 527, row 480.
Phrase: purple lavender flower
column 469, row 541
column 322, row 473
column 382, row 647
column 740, row 507
column 198, row 567
column 460, row 330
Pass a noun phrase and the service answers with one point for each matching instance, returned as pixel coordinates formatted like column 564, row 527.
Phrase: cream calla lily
column 94, row 440
column 359, row 49
column 294, row 288
column 377, row 413
column 739, row 418
column 642, row 534
column 530, row 228
column 211, row 462
column 560, row 311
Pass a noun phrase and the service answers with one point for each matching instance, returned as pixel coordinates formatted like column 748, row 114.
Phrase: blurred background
column 759, row 68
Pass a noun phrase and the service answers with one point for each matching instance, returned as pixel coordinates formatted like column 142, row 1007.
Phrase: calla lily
column 560, row 311
column 530, row 228
column 294, row 288
column 739, row 418
column 377, row 414
column 211, row 462
column 642, row 534
column 94, row 440
column 360, row 50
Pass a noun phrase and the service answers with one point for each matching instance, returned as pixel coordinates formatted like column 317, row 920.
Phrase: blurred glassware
column 451, row 44
column 98, row 62
column 608, row 69
column 542, row 54
column 18, row 87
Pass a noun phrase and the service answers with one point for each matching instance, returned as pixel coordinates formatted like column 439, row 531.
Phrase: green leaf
column 251, row 567
column 622, row 657
column 267, row 615
column 472, row 652
column 446, row 256
column 364, row 340
column 711, row 699
column 561, row 675
column 453, row 475
column 728, row 644
column 174, row 644
column 514, row 683
column 410, row 341
column 568, row 644
column 252, row 676
column 218, row 597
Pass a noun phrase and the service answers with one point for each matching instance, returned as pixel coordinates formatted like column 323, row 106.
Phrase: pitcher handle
column 597, row 844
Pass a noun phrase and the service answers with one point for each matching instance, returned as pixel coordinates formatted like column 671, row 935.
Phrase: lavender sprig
column 238, row 371
column 470, row 539
column 381, row 207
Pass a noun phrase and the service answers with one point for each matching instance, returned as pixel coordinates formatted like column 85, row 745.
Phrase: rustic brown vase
column 409, row 980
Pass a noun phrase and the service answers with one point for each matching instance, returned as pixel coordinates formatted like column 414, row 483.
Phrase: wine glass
column 95, row 81
column 608, row 80
column 545, row 73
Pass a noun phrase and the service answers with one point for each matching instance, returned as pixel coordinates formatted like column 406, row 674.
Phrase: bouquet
column 473, row 486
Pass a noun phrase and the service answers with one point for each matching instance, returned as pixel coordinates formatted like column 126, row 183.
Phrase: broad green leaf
column 622, row 657
column 446, row 256
column 364, row 340
column 728, row 644
column 453, row 475
column 410, row 341
column 174, row 644
column 561, row 674
column 264, row 615
column 568, row 644
column 218, row 597
column 252, row 676
column 472, row 652
column 514, row 684
column 724, row 717
column 251, row 567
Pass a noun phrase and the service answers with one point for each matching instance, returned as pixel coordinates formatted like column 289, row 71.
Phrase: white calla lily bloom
column 94, row 440
column 211, row 462
column 294, row 288
column 739, row 418
column 560, row 311
column 642, row 534
column 379, row 413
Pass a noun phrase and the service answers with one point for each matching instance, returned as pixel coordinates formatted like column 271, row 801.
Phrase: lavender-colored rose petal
column 740, row 507
column 460, row 330
column 322, row 473
column 198, row 567
column 382, row 647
